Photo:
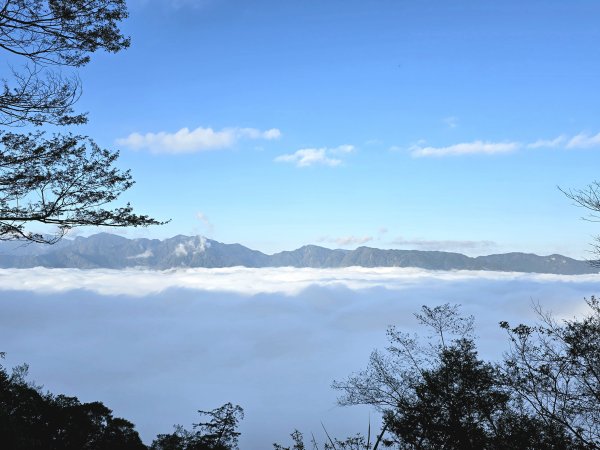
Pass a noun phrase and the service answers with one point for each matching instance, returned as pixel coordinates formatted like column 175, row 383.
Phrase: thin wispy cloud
column 197, row 140
column 466, row 148
column 445, row 245
column 584, row 140
column 579, row 141
column 324, row 156
column 346, row 241
column 342, row 149
column 203, row 218
column 548, row 143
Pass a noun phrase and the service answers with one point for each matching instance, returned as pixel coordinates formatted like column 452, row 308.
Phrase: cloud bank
column 157, row 346
column 246, row 281
column 197, row 140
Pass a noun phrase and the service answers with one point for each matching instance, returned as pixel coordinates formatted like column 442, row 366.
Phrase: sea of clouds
column 156, row 346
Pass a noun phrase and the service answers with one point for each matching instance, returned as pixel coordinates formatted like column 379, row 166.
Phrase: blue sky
column 393, row 124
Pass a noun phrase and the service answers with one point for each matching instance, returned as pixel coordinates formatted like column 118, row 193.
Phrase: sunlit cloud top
column 245, row 281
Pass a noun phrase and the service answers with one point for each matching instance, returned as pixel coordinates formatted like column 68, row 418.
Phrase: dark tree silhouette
column 47, row 33
column 218, row 433
column 64, row 181
column 588, row 198
column 32, row 420
column 357, row 442
column 441, row 395
column 555, row 368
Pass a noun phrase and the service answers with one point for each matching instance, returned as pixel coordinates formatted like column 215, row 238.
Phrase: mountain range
column 111, row 251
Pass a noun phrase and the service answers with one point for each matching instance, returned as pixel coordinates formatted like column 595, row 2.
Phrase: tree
column 31, row 419
column 65, row 180
column 555, row 369
column 218, row 433
column 440, row 395
column 46, row 34
column 588, row 198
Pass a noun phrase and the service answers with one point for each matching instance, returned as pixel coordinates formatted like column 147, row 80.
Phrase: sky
column 421, row 124
column 157, row 346
column 393, row 124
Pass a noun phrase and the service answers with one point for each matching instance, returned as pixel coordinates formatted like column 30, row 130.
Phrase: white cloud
column 272, row 133
column 341, row 149
column 197, row 244
column 146, row 254
column 583, row 140
column 309, row 156
column 197, row 140
column 206, row 221
column 466, row 148
column 548, row 143
column 180, row 250
column 199, row 348
column 248, row 281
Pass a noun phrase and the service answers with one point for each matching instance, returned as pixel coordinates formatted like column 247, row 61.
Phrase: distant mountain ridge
column 110, row 251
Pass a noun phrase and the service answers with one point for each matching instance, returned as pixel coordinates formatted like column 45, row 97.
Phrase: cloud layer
column 197, row 140
column 158, row 346
column 243, row 280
